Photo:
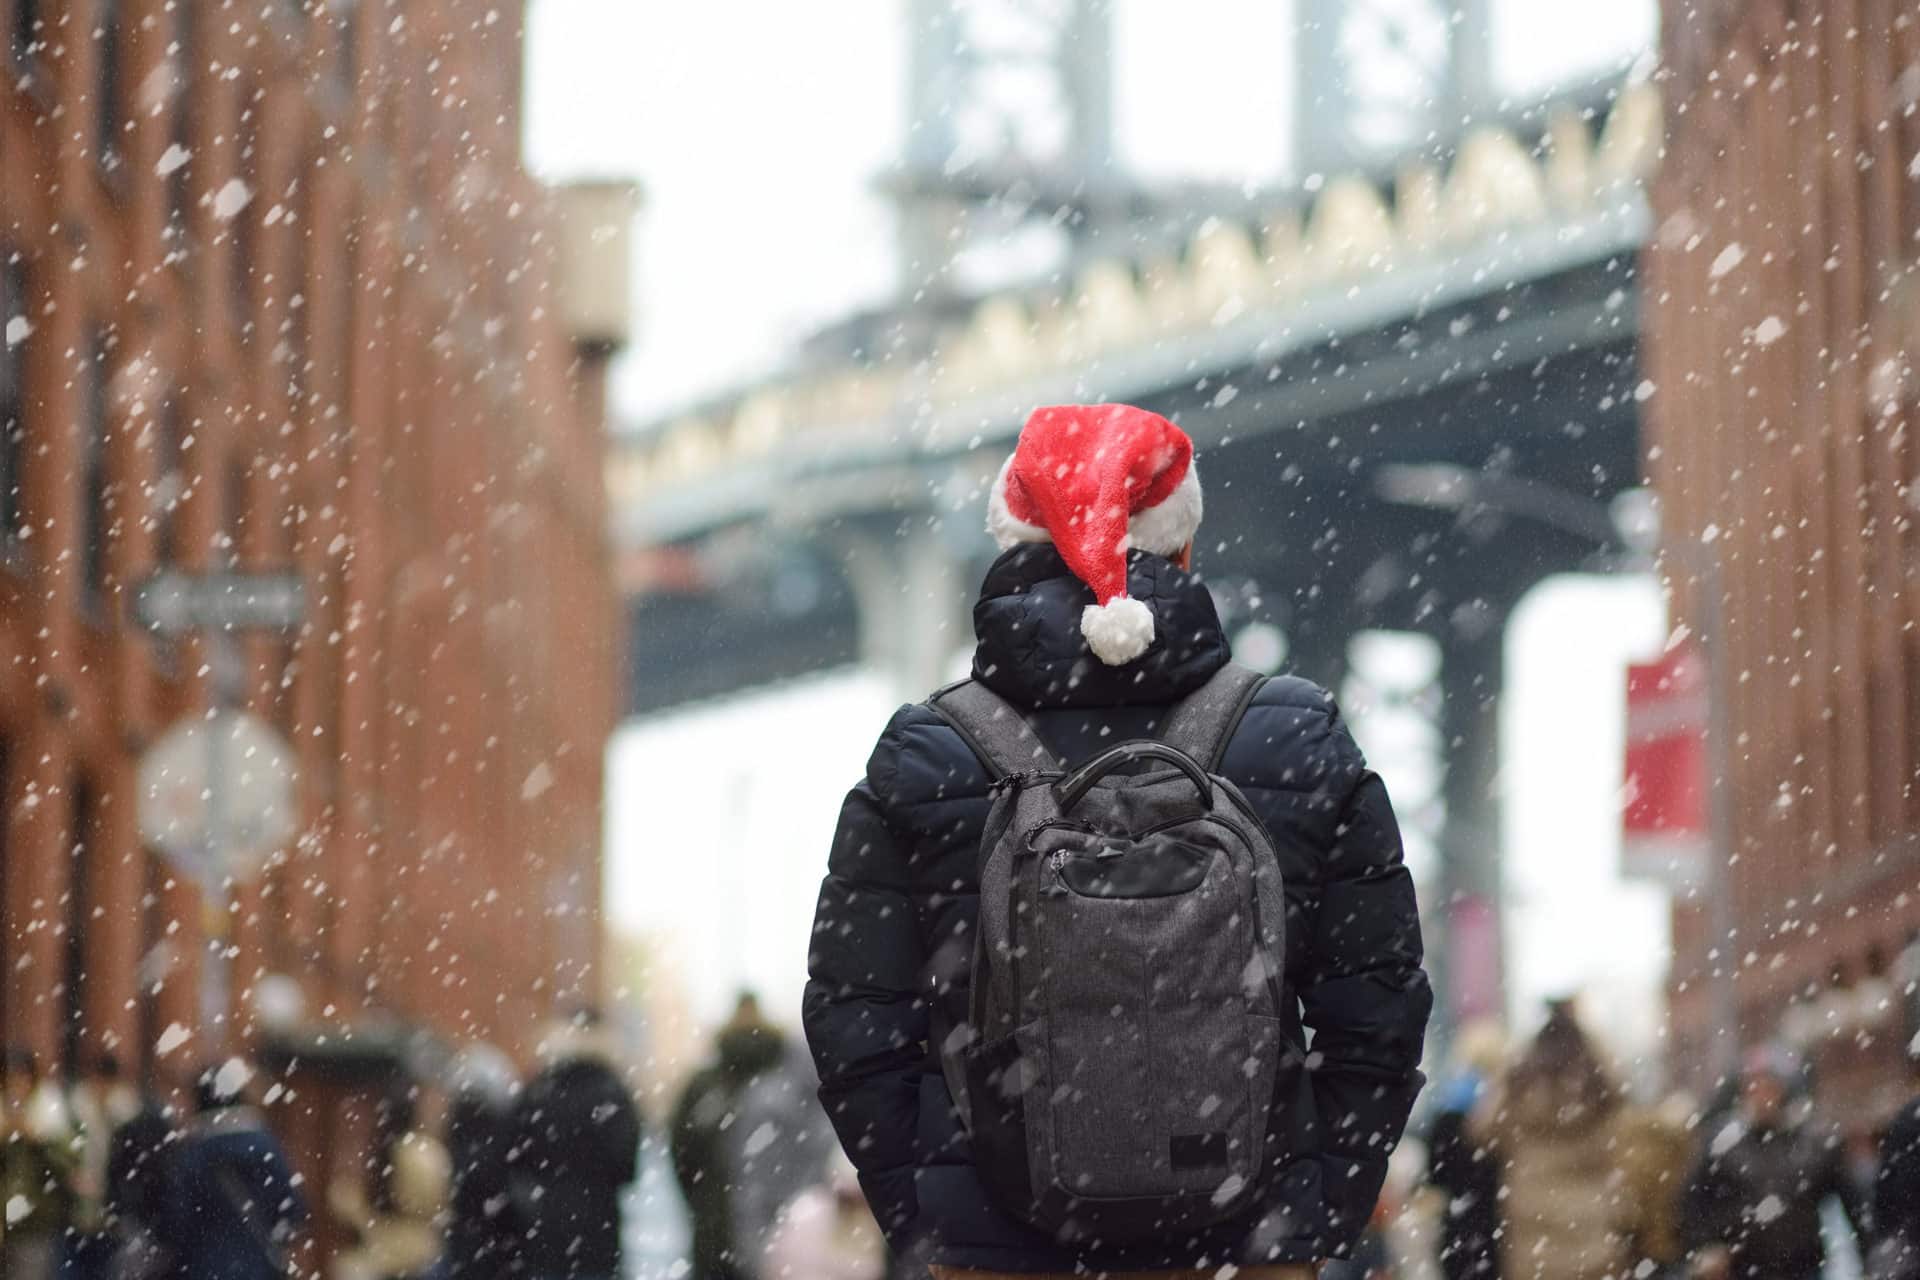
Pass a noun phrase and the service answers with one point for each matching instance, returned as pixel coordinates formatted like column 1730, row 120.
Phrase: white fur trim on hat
column 1164, row 530
column 1009, row 530
column 1119, row 630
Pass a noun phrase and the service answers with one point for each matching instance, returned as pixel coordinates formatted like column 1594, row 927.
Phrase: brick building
column 277, row 293
column 1782, row 343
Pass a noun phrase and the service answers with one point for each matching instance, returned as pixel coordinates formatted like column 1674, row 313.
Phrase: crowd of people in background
column 517, row 1179
column 1539, row 1164
column 1543, row 1166
column 473, row 1175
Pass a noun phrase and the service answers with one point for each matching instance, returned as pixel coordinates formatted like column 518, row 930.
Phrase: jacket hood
column 1031, row 650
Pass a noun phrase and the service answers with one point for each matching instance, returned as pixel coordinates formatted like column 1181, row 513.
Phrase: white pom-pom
column 1118, row 631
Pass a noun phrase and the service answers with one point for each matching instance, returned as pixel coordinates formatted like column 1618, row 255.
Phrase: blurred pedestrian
column 37, row 1164
column 577, row 1147
column 747, row 1136
column 1094, row 632
column 1896, row 1204
column 100, row 1101
column 827, row 1233
column 137, row 1177
column 1581, row 1184
column 1460, row 1165
column 482, row 1230
column 396, row 1209
column 231, row 1203
column 1753, row 1200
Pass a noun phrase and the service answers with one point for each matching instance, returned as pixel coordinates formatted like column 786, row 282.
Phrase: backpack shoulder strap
column 994, row 728
column 1202, row 723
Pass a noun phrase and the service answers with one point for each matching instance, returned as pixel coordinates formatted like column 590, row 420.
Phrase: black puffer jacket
column 1757, row 1191
column 578, row 1147
column 896, row 916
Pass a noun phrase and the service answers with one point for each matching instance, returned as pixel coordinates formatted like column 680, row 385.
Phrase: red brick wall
column 1786, row 214
column 387, row 399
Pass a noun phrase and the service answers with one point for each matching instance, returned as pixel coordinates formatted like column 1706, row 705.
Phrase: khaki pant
column 1286, row 1272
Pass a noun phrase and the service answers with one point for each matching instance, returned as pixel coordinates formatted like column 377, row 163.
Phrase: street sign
column 1664, row 836
column 172, row 603
column 216, row 796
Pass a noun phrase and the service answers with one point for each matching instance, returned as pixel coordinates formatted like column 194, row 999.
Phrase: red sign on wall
column 1665, row 824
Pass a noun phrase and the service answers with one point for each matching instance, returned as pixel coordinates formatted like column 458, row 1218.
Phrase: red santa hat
column 1099, row 480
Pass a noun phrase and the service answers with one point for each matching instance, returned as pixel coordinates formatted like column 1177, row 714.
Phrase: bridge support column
column 915, row 607
column 1468, row 960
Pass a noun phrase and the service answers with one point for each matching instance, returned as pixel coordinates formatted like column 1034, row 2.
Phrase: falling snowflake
column 232, row 1076
column 537, row 782
column 17, row 330
column 231, row 199
column 172, row 159
column 762, row 1138
column 172, row 1038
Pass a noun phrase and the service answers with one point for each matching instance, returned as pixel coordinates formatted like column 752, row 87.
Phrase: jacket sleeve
column 865, row 1024
column 1709, row 1205
column 1366, row 997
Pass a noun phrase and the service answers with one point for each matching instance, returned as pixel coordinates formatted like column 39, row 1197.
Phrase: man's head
column 1767, row 1078
column 1099, row 481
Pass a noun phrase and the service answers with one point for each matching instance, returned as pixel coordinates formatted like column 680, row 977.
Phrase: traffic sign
column 172, row 603
column 216, row 796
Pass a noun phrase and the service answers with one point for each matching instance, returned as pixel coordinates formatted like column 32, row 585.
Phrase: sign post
column 216, row 793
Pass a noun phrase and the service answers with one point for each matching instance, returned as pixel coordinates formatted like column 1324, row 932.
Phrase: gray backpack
column 1117, row 1069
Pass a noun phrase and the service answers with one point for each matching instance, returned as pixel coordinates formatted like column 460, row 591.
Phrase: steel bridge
column 1471, row 302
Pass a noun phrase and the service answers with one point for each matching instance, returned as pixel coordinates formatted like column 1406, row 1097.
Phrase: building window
column 13, row 430
column 26, row 30
column 155, row 956
column 96, row 495
column 83, row 864
column 347, row 56
column 170, row 482
column 245, row 226
column 177, row 161
column 233, row 530
column 108, row 119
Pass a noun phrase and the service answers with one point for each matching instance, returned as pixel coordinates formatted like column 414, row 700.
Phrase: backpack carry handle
column 1076, row 785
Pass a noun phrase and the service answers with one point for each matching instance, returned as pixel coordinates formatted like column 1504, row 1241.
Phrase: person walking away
column 1896, row 1192
column 1461, row 1167
column 1093, row 1059
column 577, row 1147
column 746, row 1137
column 397, row 1210
column 482, row 1231
column 99, row 1102
column 1752, row 1209
column 37, row 1164
column 827, row 1232
column 1581, row 1185
column 231, row 1202
column 138, row 1174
